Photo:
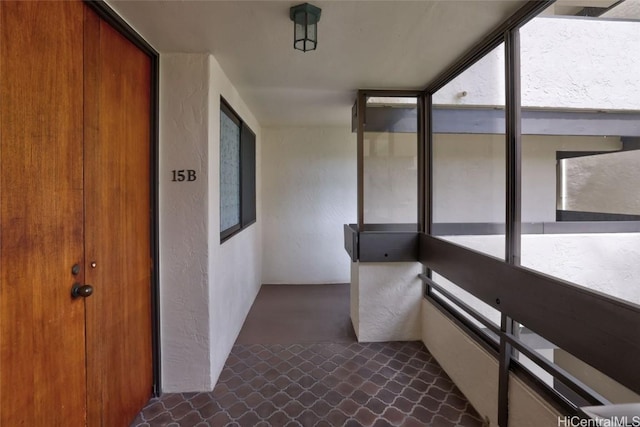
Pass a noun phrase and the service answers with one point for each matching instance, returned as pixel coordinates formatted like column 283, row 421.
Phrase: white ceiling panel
column 361, row 44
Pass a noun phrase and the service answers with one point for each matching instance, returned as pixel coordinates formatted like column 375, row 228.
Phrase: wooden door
column 117, row 225
column 74, row 190
column 42, row 344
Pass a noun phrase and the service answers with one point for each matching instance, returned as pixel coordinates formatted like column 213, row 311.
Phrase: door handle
column 78, row 290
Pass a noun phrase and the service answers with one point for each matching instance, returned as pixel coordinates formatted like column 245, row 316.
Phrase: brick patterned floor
column 316, row 385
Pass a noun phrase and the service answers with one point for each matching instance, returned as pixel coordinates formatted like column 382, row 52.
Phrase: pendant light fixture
column 305, row 19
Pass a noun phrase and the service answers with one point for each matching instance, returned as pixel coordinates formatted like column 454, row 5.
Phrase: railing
column 591, row 326
column 585, row 392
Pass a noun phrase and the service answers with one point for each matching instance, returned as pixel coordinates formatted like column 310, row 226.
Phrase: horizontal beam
column 388, row 247
column 492, row 121
column 560, row 227
column 593, row 327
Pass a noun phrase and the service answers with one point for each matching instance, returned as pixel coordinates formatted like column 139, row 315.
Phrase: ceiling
column 361, row 44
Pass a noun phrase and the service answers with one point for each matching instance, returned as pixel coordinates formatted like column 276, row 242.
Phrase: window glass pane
column 229, row 172
column 580, row 150
column 469, row 167
column 469, row 157
column 485, row 310
column 391, row 161
column 580, row 175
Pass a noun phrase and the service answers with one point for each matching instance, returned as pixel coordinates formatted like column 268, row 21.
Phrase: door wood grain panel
column 117, row 225
column 42, row 344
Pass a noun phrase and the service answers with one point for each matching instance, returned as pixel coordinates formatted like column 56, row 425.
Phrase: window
column 564, row 212
column 469, row 169
column 391, row 161
column 237, row 173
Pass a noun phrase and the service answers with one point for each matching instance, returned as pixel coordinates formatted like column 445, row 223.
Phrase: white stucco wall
column 607, row 263
column 581, row 63
column 236, row 264
column 566, row 63
column 206, row 289
column 469, row 175
column 309, row 181
column 539, row 170
column 604, row 183
column 184, row 255
column 388, row 303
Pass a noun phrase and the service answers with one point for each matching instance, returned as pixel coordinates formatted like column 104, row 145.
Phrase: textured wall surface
column 235, row 265
column 608, row 263
column 389, row 296
column 469, row 175
column 566, row 63
column 604, row 183
column 206, row 288
column 184, row 274
column 581, row 63
column 309, row 181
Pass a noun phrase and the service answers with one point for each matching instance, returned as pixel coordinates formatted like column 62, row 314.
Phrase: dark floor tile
column 220, row 419
column 321, row 408
column 293, row 409
column 336, row 417
column 365, row 417
column 376, row 406
column 209, row 410
column 393, row 416
column 422, row 414
column 265, row 410
column 307, row 399
column 333, row 398
column 171, row 400
column 249, row 419
column 161, row 420
column 349, row 407
column 191, row 419
column 279, row 418
column 319, row 384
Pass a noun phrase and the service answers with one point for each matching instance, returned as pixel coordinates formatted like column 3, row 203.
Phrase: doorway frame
column 105, row 12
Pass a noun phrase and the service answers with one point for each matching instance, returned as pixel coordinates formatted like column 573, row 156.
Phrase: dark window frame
column 571, row 329
column 613, row 333
column 247, row 168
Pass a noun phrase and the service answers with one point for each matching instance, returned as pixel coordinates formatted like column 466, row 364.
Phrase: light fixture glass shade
column 305, row 33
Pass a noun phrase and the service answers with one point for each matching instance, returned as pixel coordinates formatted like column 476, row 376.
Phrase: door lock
column 78, row 290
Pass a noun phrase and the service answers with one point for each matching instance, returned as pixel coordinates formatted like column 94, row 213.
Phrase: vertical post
column 361, row 111
column 513, row 204
column 421, row 162
column 427, row 172
column 506, row 327
column 428, row 162
column 513, row 149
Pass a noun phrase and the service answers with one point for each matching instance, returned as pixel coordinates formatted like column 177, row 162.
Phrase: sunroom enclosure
column 513, row 181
